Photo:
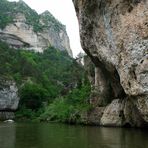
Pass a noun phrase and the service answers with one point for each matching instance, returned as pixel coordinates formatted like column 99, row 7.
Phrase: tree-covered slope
column 44, row 78
column 51, row 84
column 51, row 67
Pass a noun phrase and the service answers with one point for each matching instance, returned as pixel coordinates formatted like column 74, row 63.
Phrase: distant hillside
column 22, row 27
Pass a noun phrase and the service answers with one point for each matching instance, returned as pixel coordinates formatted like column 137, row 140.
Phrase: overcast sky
column 64, row 11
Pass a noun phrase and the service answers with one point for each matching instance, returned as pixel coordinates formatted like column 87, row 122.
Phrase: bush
column 68, row 108
column 32, row 96
column 28, row 114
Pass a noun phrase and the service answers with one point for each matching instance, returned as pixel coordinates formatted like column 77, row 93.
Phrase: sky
column 64, row 11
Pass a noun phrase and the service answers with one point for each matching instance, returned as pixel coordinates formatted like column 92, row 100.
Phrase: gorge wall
column 114, row 34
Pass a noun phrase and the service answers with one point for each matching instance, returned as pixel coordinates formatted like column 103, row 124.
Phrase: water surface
column 45, row 135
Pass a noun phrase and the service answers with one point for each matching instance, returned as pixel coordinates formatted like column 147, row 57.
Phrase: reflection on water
column 7, row 135
column 44, row 135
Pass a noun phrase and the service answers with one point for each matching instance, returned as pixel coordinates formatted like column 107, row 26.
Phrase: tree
column 32, row 95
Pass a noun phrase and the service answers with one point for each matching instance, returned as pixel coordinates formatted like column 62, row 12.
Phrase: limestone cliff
column 8, row 99
column 115, row 36
column 24, row 28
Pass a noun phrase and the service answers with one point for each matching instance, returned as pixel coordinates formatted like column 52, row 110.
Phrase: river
column 47, row 135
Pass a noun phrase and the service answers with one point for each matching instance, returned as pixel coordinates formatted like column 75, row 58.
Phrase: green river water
column 47, row 135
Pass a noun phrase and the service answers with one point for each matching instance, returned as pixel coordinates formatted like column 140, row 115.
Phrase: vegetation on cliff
column 50, row 83
column 69, row 108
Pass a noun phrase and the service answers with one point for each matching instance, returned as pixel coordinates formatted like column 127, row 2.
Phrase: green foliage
column 8, row 10
column 70, row 107
column 50, row 20
column 53, row 68
column 27, row 114
column 58, row 110
column 32, row 96
column 42, row 77
column 5, row 16
column 50, row 83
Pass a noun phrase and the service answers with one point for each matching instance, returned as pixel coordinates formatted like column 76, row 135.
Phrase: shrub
column 68, row 108
column 32, row 96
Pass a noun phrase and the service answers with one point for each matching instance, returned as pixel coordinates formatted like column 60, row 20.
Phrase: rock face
column 6, row 115
column 31, row 31
column 8, row 99
column 114, row 34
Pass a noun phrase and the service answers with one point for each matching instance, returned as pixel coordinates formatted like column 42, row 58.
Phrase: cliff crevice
column 114, row 36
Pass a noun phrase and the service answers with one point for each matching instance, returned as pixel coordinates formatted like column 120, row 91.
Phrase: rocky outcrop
column 114, row 34
column 8, row 99
column 6, row 115
column 56, row 35
column 31, row 31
